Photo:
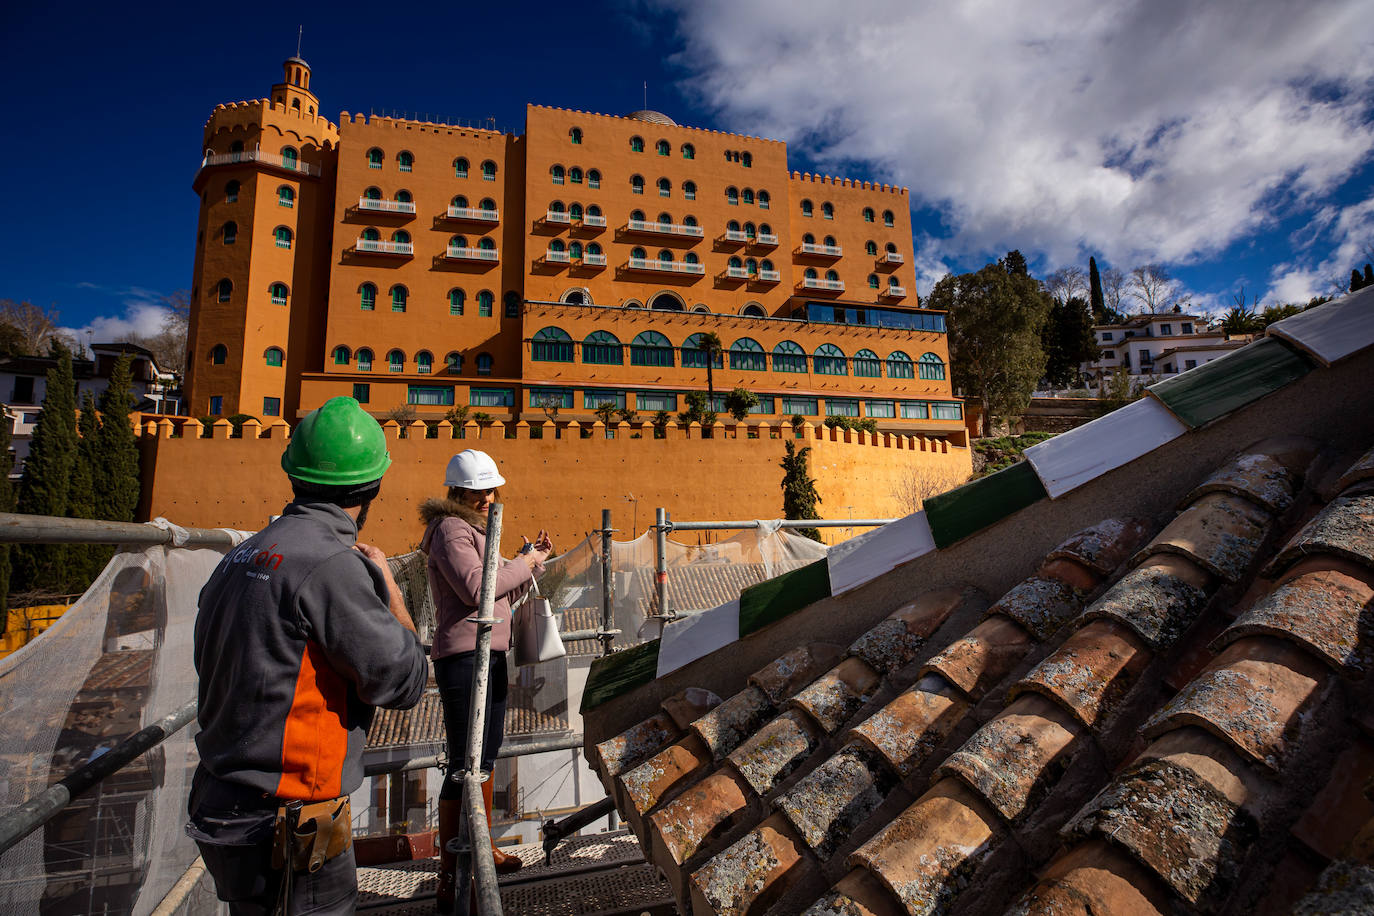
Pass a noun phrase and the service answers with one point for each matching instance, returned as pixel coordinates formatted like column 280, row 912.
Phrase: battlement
column 849, row 183
column 698, row 130
column 261, row 113
column 436, row 127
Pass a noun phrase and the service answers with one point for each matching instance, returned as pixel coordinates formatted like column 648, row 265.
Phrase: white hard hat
column 473, row 470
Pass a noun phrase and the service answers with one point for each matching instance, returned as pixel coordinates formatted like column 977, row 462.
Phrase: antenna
column 300, row 30
column 646, row 95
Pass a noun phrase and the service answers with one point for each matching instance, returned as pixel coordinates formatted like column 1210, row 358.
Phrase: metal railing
column 474, row 213
column 765, row 238
column 817, row 283
column 770, row 276
column 386, row 206
column 473, row 254
column 892, row 257
column 672, row 267
column 558, row 257
column 644, row 225
column 594, row 260
column 592, row 219
column 382, row 247
column 273, row 159
column 895, row 292
column 829, row 251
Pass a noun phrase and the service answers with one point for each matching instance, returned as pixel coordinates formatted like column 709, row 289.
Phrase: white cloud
column 143, row 316
column 1149, row 130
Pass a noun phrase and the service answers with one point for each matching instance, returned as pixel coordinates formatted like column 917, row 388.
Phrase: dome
column 653, row 117
column 297, row 60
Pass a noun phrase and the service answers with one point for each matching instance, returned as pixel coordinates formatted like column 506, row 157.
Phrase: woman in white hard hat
column 455, row 539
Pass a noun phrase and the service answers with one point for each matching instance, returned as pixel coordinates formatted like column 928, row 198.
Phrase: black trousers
column 453, row 674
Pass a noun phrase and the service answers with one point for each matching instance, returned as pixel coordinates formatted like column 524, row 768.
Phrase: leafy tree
column 116, row 470
column 995, row 319
column 1121, row 390
column 627, row 414
column 1015, row 263
column 45, row 488
column 739, row 401
column 697, row 411
column 1273, row 313
column 1240, row 320
column 36, row 327
column 457, row 418
column 605, row 412
column 11, row 340
column 660, row 424
column 6, row 505
column 799, row 496
column 867, row 424
column 1068, row 341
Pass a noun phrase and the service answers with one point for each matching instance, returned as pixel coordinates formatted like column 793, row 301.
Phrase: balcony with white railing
column 558, row 216
column 824, row 251
column 472, row 254
column 593, row 221
column 766, row 239
column 735, row 235
column 556, row 257
column 737, row 273
column 769, row 276
column 892, row 257
column 834, row 286
column 643, row 225
column 386, row 206
column 672, row 267
column 474, row 214
column 272, row 159
column 593, row 260
column 895, row 292
column 378, row 246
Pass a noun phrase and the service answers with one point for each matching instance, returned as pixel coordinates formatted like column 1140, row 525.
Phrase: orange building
column 545, row 274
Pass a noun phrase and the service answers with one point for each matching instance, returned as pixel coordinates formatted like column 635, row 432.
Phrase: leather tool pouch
column 318, row 832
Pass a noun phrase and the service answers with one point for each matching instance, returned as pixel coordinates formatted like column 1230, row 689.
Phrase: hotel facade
column 545, row 274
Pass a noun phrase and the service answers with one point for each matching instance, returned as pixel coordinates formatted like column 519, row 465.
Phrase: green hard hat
column 337, row 444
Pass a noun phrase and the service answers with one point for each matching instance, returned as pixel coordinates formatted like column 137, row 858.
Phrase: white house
column 1156, row 345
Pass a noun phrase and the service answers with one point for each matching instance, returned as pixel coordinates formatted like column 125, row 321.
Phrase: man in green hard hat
column 301, row 633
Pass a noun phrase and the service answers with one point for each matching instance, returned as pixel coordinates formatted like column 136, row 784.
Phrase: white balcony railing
column 643, row 225
column 766, row 238
column 735, row 235
column 386, row 206
column 769, row 276
column 557, row 257
column 895, row 292
column 274, row 159
column 738, row 273
column 817, row 283
column 594, row 220
column 892, row 257
column 474, row 214
column 829, row 251
column 557, row 216
column 593, row 260
column 473, row 254
column 672, row 267
column 380, row 247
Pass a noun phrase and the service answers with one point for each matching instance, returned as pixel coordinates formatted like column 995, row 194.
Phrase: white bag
column 536, row 631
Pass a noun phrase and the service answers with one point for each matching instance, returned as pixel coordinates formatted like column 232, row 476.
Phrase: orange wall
column 559, row 484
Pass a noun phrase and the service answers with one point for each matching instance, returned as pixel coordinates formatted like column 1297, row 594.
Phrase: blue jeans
column 453, row 674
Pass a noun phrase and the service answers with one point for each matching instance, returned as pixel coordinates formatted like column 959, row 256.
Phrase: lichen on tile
column 831, row 801
column 1039, row 604
column 770, row 755
column 1157, row 605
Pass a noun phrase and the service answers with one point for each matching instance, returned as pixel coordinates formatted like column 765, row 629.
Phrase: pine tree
column 1015, row 263
column 799, row 496
column 117, row 483
column 1356, row 281
column 1368, row 275
column 6, row 505
column 1095, row 299
column 46, row 485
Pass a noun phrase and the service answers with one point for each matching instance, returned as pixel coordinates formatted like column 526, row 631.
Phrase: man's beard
column 362, row 514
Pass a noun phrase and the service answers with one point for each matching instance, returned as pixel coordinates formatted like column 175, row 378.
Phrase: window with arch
column 485, row 301
column 829, row 360
column 278, row 292
column 424, row 362
column 557, row 173
column 486, row 244
column 665, row 220
column 747, row 354
column 375, row 158
column 868, row 214
column 662, row 148
column 893, row 283
column 753, row 310
column 689, row 151
column 694, row 353
column 405, row 160
column 286, row 196
column 747, row 196
column 899, row 365
column 510, row 302
column 365, row 360
column 219, row 354
column 732, row 196
column 689, row 220
column 342, row 355
column 888, row 219
column 574, row 175
column 650, row 348
column 691, row 258
column 224, row 289
column 752, row 266
column 460, row 167
column 867, row 364
column 764, row 200
column 459, row 202
column 665, row 188
column 231, row 192
column 458, row 241
column 689, row 190
column 456, row 298
column 370, row 234
column 639, row 254
column 747, row 160
column 283, row 236
column 404, row 196
column 453, row 362
column 602, row 348
column 811, row 274
column 829, row 241
column 396, row 361
column 788, row 356
column 593, row 248
column 488, row 204
column 891, row 248
column 827, row 210
column 401, row 237
column 765, row 229
column 399, row 295
column 636, row 144
column 931, row 367
column 765, row 264
column 289, row 157
column 593, row 210
column 871, row 248
column 575, row 251
column 367, row 297
column 808, row 239
column 807, row 208
column 575, row 136
column 488, row 170
column 557, row 207
column 665, row 256
column 296, row 104
column 484, row 363
column 636, row 184
column 594, row 179
column 229, row 232
column 872, row 281
column 272, row 356
column 372, row 193
column 732, row 226
column 736, row 263
column 551, row 345
column 832, row 276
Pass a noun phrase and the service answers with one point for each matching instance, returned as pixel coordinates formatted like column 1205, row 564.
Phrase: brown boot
column 450, row 812
column 505, row 864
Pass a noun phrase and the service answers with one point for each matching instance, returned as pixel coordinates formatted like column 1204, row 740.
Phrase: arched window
column 296, row 104
column 286, row 196
column 888, row 218
column 484, row 363
column 689, row 190
column 871, row 248
column 575, row 251
column 231, row 192
column 602, row 348
column 375, row 158
column 829, row 360
column 486, row 244
column 808, row 239
column 746, row 354
column 283, row 237
column 732, row 196
column 556, row 206
column 272, row 356
column 453, row 362
column 636, row 144
column 765, row 264
column 868, row 214
column 753, row 310
column 932, row 368
column 278, row 292
column 342, row 355
column 732, row 226
column 665, row 302
column 575, row 175
column 557, row 245
column 458, row 241
column 899, row 365
column 764, row 200
column 872, row 281
column 689, row 151
column 665, row 188
column 399, row 295
column 747, row 196
column 488, row 204
column 806, row 208
column 638, row 254
column 593, row 210
column 404, row 196
column 752, row 266
column 867, row 364
column 891, row 248
column 765, row 229
column 225, row 289
column 289, row 157
column 665, row 220
column 662, row 148
column 229, row 234
column 893, row 283
column 650, row 348
column 396, row 361
column 636, row 184
column 551, row 345
column 424, row 362
column 691, row 258
column 827, row 210
column 370, row 234
column 460, row 167
column 747, row 160
column 485, row 301
column 401, row 237
column 488, row 170
column 557, row 174
column 575, row 135
column 736, row 263
column 219, row 354
column 789, row 357
column 689, row 220
column 694, row 354
column 459, row 202
column 367, row 297
column 593, row 248
column 665, row 256
column 811, row 274
column 365, row 360
column 456, row 298
column 594, row 179
column 830, row 241
column 405, row 161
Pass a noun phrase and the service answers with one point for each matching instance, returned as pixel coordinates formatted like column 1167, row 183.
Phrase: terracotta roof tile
column 926, row 853
column 1261, row 478
column 1340, row 808
column 982, row 658
column 836, row 695
column 705, row 811
column 897, row 639
column 656, row 779
column 1360, row 471
column 634, row 745
column 1092, row 671
column 686, row 706
column 856, row 894
column 1214, row 762
column 771, row 754
column 832, row 800
column 753, row 872
column 1013, row 759
column 722, row 729
column 1040, row 604
column 1220, row 532
column 1106, row 545
column 1094, row 879
column 1345, row 889
column 1252, row 695
column 790, row 672
column 1345, row 528
column 913, row 724
column 1158, row 601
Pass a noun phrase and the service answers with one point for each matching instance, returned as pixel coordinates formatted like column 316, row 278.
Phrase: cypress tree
column 46, row 485
column 1368, row 275
column 116, row 470
column 6, row 505
column 1356, row 281
column 799, row 496
column 84, row 561
column 1095, row 299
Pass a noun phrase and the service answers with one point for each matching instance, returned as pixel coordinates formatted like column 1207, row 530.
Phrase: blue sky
column 1229, row 141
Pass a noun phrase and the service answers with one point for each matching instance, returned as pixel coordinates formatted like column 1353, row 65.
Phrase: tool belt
column 310, row 834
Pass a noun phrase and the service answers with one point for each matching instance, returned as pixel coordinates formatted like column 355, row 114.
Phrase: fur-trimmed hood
column 436, row 510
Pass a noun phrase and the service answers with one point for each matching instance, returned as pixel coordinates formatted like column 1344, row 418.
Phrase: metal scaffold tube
column 661, row 528
column 47, row 529
column 608, row 632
